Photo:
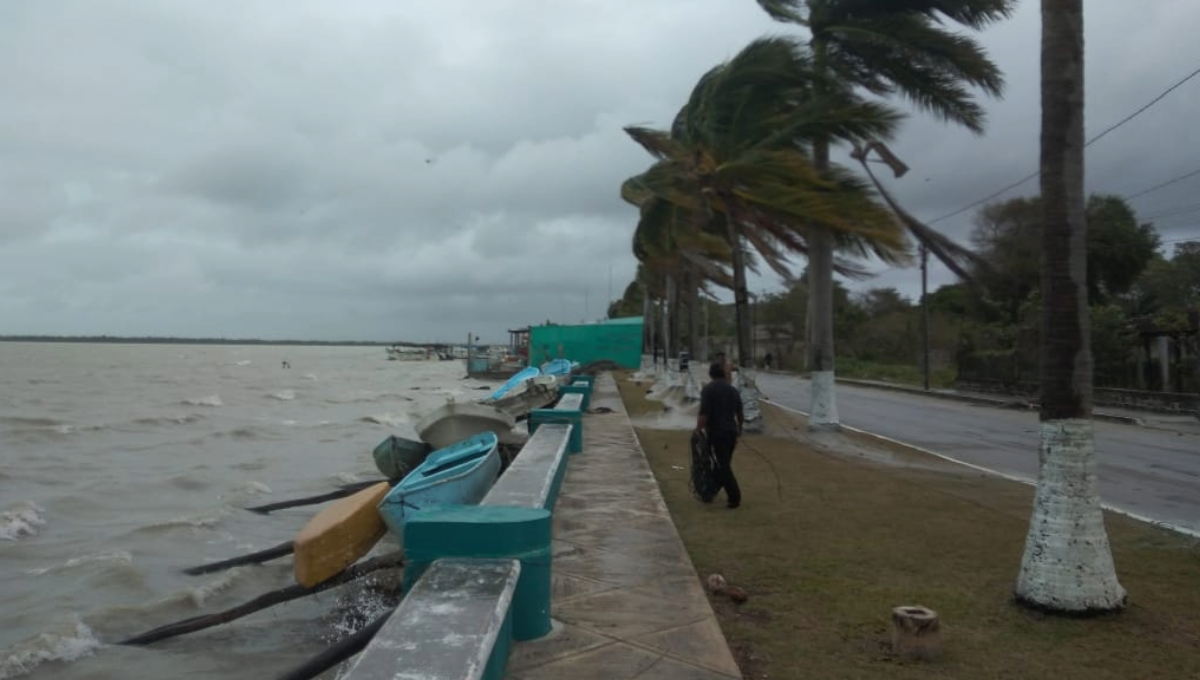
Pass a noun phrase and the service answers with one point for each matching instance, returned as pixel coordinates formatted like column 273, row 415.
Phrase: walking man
column 721, row 421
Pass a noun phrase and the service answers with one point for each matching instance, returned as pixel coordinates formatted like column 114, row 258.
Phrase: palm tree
column 740, row 152
column 885, row 47
column 677, row 245
column 1068, row 565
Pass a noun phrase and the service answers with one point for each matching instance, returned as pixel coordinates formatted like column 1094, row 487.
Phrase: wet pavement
column 627, row 602
column 1150, row 472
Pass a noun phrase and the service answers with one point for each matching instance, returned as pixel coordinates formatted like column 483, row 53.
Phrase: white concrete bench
column 534, row 477
column 569, row 402
column 455, row 624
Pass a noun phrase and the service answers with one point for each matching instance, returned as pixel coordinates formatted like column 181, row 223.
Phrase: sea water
column 121, row 464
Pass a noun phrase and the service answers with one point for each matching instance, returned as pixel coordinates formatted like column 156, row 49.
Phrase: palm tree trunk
column 676, row 285
column 665, row 319
column 741, row 294
column 823, row 408
column 1067, row 566
column 647, row 321
column 693, row 306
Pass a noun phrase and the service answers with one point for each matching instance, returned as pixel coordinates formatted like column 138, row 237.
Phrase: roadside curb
column 1192, row 533
column 1018, row 404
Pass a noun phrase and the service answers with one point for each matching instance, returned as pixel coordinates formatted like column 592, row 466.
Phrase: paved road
column 1149, row 472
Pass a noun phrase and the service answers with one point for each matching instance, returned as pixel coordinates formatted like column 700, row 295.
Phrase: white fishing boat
column 455, row 421
column 537, row 392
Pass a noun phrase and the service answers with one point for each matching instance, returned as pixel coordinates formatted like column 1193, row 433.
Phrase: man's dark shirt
column 721, row 403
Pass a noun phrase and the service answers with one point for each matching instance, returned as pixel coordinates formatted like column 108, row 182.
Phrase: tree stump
column 916, row 632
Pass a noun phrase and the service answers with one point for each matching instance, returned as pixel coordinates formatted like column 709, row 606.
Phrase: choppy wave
column 209, row 521
column 20, row 521
column 347, row 478
column 310, row 376
column 191, row 597
column 243, row 362
column 283, row 395
column 119, row 557
column 67, row 641
column 252, row 488
column 211, row 400
column 389, row 419
column 31, row 423
column 168, row 420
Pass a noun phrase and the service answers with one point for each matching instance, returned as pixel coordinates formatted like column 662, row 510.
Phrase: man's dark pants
column 722, row 445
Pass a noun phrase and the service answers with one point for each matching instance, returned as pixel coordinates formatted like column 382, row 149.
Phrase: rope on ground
column 778, row 480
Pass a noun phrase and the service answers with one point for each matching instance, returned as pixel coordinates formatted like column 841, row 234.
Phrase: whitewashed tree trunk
column 1068, row 565
column 823, row 408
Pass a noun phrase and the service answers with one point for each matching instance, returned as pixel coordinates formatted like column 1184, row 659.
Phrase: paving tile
column 626, row 613
column 618, row 661
column 563, row 642
column 566, row 586
column 701, row 643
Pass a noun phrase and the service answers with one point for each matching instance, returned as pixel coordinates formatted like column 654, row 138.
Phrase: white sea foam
column 113, row 556
column 310, row 376
column 68, row 641
column 243, row 362
column 283, row 395
column 211, row 400
column 389, row 419
column 21, row 520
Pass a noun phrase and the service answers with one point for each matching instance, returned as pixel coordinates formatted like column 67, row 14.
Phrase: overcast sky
column 420, row 169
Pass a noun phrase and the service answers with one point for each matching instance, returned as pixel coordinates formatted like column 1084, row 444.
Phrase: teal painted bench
column 568, row 411
column 534, row 477
column 455, row 624
column 513, row 521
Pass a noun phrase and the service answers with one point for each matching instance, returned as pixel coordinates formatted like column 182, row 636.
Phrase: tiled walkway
column 627, row 601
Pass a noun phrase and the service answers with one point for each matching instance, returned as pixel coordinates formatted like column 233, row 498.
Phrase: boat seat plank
column 455, row 624
column 531, row 478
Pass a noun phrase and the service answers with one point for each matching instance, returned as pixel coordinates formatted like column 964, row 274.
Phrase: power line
column 1091, row 141
column 1152, row 102
column 1163, row 185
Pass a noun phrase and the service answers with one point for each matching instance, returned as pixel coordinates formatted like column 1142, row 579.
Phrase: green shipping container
column 617, row 340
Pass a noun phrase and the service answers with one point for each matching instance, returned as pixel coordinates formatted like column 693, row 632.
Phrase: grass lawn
column 827, row 543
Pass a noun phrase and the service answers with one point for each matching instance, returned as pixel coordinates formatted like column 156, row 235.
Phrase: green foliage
column 1008, row 235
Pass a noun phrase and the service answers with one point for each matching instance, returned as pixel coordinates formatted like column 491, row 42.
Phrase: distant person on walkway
column 767, row 361
column 724, row 364
column 721, row 421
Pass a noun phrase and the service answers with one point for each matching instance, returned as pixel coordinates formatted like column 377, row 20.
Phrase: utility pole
column 925, row 314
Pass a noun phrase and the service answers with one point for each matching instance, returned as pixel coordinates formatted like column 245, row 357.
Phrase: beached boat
column 455, row 421
column 338, row 535
column 516, row 382
column 460, row 474
column 558, row 367
column 396, row 456
column 539, row 392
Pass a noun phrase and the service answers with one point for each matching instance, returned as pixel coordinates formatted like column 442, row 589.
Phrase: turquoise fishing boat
column 396, row 456
column 558, row 367
column 515, row 381
column 460, row 474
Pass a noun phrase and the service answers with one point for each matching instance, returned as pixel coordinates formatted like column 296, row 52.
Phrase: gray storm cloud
column 383, row 170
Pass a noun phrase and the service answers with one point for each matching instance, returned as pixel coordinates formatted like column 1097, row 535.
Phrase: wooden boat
column 460, row 474
column 455, row 421
column 338, row 535
column 397, row 456
column 516, row 382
